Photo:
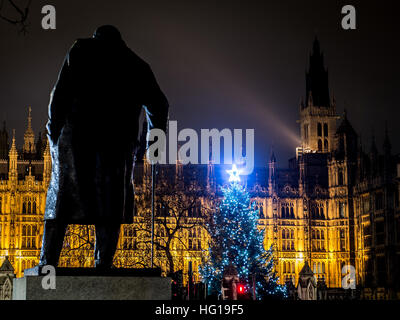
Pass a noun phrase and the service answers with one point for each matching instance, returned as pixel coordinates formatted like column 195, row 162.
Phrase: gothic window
column 29, row 207
column 342, row 240
column 319, row 130
column 379, row 201
column 34, row 207
column 1, row 205
column 366, row 205
column 340, row 177
column 291, row 212
column 283, row 212
column 325, row 129
column 24, row 207
column 326, row 145
column 194, row 239
column 314, row 211
column 341, row 209
column 380, row 232
column 28, row 237
column 261, row 212
column 306, row 132
column 129, row 239
column 287, row 212
column 319, row 145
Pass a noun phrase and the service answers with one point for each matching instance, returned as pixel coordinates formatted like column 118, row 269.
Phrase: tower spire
column 317, row 78
column 29, row 136
column 13, row 156
column 30, row 118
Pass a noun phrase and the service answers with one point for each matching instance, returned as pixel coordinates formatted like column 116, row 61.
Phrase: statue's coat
column 93, row 128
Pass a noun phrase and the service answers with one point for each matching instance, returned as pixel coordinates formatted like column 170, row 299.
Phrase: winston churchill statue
column 93, row 134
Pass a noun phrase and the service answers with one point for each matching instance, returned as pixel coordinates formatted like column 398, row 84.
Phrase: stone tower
column 318, row 113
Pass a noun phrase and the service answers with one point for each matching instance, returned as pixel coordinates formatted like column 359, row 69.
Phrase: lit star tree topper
column 234, row 174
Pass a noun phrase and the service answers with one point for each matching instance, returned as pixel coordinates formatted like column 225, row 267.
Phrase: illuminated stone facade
column 334, row 205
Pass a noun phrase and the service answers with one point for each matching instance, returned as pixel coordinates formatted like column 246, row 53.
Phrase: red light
column 240, row 288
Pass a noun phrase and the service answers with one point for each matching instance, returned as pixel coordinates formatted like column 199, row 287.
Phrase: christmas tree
column 237, row 243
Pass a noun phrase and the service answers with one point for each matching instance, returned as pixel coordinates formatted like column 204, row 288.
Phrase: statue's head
column 108, row 33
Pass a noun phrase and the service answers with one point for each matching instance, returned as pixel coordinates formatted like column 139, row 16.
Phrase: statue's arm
column 154, row 101
column 60, row 101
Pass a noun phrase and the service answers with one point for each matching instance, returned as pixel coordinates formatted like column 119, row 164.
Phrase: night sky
column 222, row 64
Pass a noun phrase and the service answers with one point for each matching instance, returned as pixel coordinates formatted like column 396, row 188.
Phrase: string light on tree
column 236, row 243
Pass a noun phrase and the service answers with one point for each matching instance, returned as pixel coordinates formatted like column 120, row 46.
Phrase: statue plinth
column 93, row 284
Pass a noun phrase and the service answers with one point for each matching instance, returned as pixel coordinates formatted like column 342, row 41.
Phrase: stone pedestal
column 90, row 284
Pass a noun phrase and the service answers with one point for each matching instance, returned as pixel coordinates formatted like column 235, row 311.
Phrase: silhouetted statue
column 93, row 132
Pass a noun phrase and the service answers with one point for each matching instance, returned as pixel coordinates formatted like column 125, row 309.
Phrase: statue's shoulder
column 134, row 57
column 83, row 43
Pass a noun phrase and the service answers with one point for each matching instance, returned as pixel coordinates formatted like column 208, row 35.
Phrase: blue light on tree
column 236, row 243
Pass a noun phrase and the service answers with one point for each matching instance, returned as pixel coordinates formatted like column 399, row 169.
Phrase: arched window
column 319, row 267
column 315, row 267
column 341, row 209
column 29, row 207
column 28, row 236
column 261, row 212
column 287, row 212
column 291, row 212
column 323, row 267
column 321, row 213
column 306, row 132
column 322, row 235
column 283, row 234
column 340, row 177
column 293, row 271
column 326, row 145
column 283, row 212
column 319, row 130
column 325, row 129
column 313, row 211
column 291, row 234
column 1, row 205
column 24, row 207
column 34, row 207
column 319, row 145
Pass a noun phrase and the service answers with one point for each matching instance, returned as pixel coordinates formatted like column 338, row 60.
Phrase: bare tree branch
column 22, row 14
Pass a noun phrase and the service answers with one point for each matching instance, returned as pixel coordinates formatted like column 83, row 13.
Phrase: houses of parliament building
column 335, row 206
